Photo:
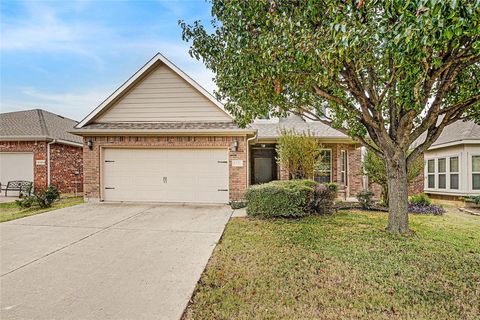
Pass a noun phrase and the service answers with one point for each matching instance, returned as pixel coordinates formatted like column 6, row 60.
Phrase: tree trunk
column 397, row 194
column 385, row 194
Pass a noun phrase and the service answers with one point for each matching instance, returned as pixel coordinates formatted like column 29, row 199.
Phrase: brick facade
column 237, row 175
column 66, row 168
column 65, row 162
column 354, row 183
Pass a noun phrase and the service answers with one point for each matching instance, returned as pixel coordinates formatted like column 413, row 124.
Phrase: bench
column 24, row 187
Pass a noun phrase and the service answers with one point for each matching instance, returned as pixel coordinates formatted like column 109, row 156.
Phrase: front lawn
column 10, row 211
column 343, row 267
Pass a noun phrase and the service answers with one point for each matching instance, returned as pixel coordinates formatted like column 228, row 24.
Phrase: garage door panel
column 166, row 175
column 16, row 166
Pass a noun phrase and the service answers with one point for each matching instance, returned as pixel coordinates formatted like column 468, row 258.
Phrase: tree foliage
column 298, row 153
column 375, row 169
column 387, row 71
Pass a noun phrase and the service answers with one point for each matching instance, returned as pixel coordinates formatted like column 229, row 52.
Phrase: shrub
column 426, row 209
column 26, row 202
column 324, row 198
column 291, row 198
column 239, row 204
column 298, row 153
column 365, row 199
column 474, row 199
column 43, row 199
column 420, row 199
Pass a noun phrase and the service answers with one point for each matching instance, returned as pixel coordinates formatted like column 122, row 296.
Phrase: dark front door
column 264, row 163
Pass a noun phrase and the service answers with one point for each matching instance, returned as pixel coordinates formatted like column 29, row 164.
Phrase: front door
column 263, row 170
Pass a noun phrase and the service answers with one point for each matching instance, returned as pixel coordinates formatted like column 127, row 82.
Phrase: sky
column 67, row 56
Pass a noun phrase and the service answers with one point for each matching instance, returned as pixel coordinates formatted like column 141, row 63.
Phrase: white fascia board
column 126, row 85
column 453, row 143
column 116, row 132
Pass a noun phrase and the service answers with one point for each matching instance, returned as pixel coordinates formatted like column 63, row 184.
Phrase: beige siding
column 163, row 96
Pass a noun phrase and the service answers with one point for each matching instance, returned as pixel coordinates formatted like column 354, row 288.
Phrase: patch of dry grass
column 343, row 267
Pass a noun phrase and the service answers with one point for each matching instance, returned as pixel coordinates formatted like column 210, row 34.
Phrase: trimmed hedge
column 290, row 198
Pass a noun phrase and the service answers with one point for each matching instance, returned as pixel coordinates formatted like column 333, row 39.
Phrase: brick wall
column 355, row 173
column 66, row 168
column 91, row 158
column 354, row 168
column 416, row 186
column 64, row 160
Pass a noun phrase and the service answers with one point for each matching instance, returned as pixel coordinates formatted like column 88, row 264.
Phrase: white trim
column 343, row 171
column 147, row 132
column 41, row 138
column 453, row 143
column 143, row 70
column 447, row 173
column 470, row 187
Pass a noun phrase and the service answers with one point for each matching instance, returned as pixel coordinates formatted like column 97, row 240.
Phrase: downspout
column 249, row 175
column 48, row 161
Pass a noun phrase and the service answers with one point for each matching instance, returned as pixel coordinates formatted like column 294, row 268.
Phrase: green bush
column 43, row 198
column 420, row 199
column 290, row 198
column 473, row 199
column 324, row 198
column 365, row 198
column 26, row 202
column 238, row 204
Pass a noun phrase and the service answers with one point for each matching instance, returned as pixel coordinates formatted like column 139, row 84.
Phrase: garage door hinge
column 222, row 190
column 109, row 160
column 109, row 188
column 220, row 161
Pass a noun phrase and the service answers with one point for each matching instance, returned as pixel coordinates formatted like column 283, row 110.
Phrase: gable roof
column 459, row 132
column 37, row 124
column 132, row 81
column 317, row 129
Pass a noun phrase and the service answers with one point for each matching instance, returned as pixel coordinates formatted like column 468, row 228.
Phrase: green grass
column 343, row 267
column 11, row 211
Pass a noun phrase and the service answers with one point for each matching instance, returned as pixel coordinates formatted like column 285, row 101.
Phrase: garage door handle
column 222, row 161
column 222, row 190
column 109, row 160
column 109, row 188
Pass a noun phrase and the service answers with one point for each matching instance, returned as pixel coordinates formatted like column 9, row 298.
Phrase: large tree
column 387, row 71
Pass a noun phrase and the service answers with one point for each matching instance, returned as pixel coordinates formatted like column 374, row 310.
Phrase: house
column 162, row 137
column 452, row 163
column 35, row 145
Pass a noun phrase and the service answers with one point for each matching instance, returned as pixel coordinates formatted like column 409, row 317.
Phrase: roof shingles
column 36, row 124
column 317, row 129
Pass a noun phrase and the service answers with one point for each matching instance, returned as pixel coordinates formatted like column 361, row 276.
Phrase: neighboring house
column 162, row 137
column 452, row 163
column 35, row 145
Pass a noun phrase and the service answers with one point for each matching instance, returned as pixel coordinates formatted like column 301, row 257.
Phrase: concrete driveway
column 106, row 261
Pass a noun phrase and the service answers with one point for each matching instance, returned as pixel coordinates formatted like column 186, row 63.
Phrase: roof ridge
column 43, row 125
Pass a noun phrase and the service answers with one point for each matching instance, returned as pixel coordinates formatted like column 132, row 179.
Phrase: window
column 442, row 177
column 343, row 178
column 323, row 171
column 454, row 183
column 431, row 173
column 476, row 172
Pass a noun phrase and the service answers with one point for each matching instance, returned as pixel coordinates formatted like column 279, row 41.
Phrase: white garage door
column 166, row 175
column 16, row 166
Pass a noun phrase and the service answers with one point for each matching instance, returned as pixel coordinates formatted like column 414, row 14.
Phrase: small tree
column 298, row 153
column 375, row 169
